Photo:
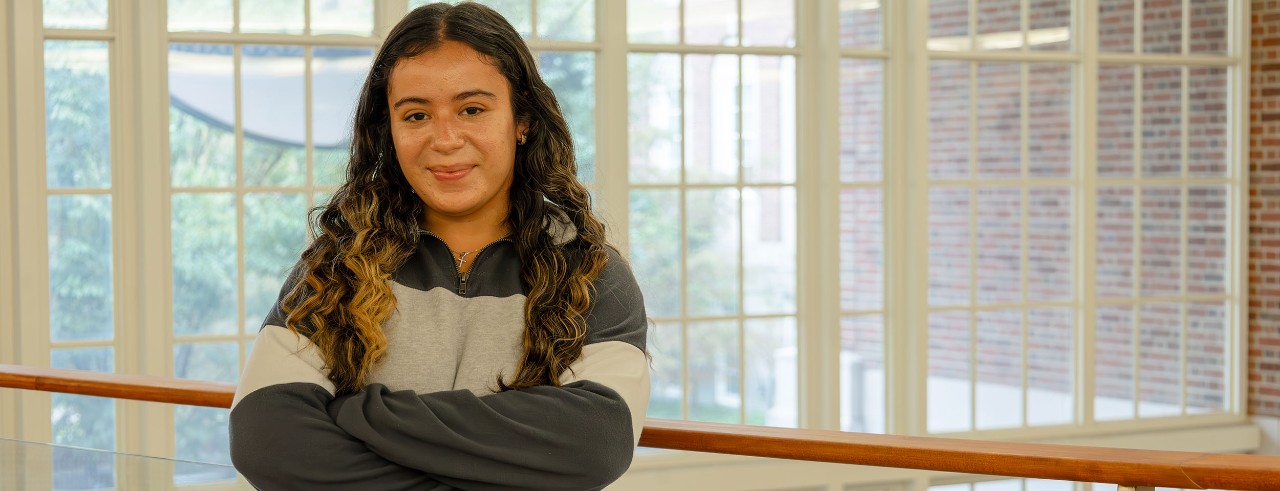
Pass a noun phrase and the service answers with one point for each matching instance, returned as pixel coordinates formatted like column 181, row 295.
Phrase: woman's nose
column 445, row 137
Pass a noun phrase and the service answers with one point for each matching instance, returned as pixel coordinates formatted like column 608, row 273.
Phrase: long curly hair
column 370, row 225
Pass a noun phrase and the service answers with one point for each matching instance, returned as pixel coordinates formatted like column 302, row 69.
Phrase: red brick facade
column 1264, row 211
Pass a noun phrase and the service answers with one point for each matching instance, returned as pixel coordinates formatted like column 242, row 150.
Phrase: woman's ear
column 522, row 131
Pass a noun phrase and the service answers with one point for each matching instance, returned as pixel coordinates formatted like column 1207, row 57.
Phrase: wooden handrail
column 1192, row 470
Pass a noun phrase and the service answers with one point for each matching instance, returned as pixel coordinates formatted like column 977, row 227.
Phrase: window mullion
column 1085, row 95
column 818, row 215
column 611, row 190
column 149, row 171
column 8, row 320
column 1237, row 337
column 31, row 223
column 907, row 218
column 124, row 217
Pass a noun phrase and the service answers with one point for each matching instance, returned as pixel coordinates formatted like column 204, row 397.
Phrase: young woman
column 458, row 320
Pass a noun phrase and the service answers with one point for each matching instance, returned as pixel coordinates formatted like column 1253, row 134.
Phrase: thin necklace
column 462, row 257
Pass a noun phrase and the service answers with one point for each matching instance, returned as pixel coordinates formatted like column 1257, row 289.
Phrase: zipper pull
column 462, row 283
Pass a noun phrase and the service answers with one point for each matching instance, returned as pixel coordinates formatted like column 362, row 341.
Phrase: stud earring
column 521, row 140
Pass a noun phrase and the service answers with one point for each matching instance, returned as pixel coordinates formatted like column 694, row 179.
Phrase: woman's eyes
column 469, row 111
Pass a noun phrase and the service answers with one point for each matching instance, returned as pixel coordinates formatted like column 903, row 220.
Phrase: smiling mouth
column 451, row 173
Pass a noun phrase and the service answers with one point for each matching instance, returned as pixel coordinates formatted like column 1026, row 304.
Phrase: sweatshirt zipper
column 462, row 277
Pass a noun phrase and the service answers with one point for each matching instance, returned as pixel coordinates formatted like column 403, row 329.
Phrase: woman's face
column 454, row 132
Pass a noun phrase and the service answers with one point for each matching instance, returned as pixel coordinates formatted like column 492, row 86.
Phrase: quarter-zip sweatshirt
column 431, row 416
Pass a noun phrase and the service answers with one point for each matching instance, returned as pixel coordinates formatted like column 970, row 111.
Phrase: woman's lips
column 451, row 173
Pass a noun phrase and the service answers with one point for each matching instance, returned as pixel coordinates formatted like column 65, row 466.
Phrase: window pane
column 949, row 25
column 862, row 387
column 769, row 119
column 1113, row 363
column 666, row 388
column 949, row 124
column 200, row 15
column 769, row 250
column 1207, row 225
column 999, row 359
column 204, row 263
column 772, row 395
column 1049, row 110
column 999, row 24
column 862, row 120
column 201, row 437
column 517, row 12
column 81, row 293
column 1209, row 21
column 712, row 235
column 861, row 250
column 77, row 114
column 1049, row 367
column 75, row 14
column 949, row 251
column 860, row 23
column 1046, row 485
column 1161, row 26
column 1161, row 241
column 1115, row 26
column 572, row 75
column 1206, row 357
column 714, row 394
column 201, row 433
column 1115, row 242
column 653, row 21
column 1115, row 121
column 999, row 245
column 84, row 421
column 1001, row 485
column 1050, row 25
column 711, row 22
column 1049, row 244
column 202, row 140
column 654, row 126
column 768, row 23
column 567, row 20
column 1161, row 121
column 655, row 249
column 274, row 16
column 337, row 75
column 272, row 101
column 711, row 118
column 1160, row 368
column 81, row 470
column 216, row 362
column 1207, row 123
column 353, row 17
column 950, row 387
column 275, row 230
column 999, row 120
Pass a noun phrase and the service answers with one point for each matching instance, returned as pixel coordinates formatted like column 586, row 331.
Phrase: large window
column 1004, row 218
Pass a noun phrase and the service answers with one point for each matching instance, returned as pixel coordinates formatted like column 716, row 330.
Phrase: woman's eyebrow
column 461, row 96
column 474, row 93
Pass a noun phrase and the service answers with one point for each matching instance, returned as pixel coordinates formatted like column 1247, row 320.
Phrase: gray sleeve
column 573, row 437
column 282, row 438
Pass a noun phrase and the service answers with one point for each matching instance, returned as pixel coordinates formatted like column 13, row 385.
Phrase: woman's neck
column 465, row 235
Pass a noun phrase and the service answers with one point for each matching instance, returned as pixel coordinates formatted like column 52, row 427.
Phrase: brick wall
column 1164, row 253
column 1264, row 211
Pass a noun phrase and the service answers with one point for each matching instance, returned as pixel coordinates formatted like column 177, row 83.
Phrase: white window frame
column 141, row 211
